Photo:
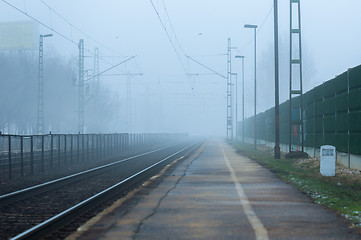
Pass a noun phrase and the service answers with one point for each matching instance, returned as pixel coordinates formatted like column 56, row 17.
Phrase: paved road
column 216, row 194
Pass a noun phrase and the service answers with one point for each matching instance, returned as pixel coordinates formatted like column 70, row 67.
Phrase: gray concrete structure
column 215, row 194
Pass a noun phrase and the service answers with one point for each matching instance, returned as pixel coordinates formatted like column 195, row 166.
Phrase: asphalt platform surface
column 215, row 194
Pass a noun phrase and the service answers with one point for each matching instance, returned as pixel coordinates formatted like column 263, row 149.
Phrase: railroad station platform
column 215, row 194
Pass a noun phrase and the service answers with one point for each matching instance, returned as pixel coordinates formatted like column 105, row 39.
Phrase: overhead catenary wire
column 171, row 26
column 52, row 29
column 116, row 65
column 169, row 38
column 206, row 67
column 41, row 23
column 78, row 29
column 258, row 30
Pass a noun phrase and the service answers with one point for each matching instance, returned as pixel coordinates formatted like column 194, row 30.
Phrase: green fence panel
column 355, row 143
column 341, row 103
column 329, row 124
column 308, row 97
column 342, row 122
column 329, row 106
column 329, row 139
column 319, row 108
column 328, row 88
column 310, row 126
column 341, row 142
column 326, row 119
column 309, row 140
column 355, row 121
column 340, row 83
column 309, row 111
column 355, row 76
column 355, row 99
column 318, row 125
column 318, row 140
column 318, row 93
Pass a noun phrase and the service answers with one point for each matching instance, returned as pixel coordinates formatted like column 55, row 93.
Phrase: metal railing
column 37, row 154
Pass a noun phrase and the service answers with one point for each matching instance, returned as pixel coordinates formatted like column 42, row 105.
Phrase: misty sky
column 331, row 38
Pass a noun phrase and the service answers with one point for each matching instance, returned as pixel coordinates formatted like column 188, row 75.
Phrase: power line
column 43, row 24
column 52, row 29
column 171, row 26
column 206, row 67
column 259, row 29
column 82, row 32
column 169, row 38
column 109, row 68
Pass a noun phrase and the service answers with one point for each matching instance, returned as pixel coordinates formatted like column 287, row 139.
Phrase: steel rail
column 30, row 191
column 47, row 226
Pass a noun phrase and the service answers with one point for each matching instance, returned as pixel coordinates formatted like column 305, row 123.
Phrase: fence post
column 78, row 148
column 100, row 146
column 71, row 149
column 42, row 154
column 118, row 144
column 83, row 148
column 92, row 152
column 32, row 155
column 22, row 155
column 348, row 118
column 51, row 150
column 87, row 147
column 105, row 145
column 109, row 144
column 9, row 156
column 65, row 160
column 59, row 150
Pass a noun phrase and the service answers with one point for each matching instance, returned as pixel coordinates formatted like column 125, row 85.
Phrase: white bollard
column 328, row 160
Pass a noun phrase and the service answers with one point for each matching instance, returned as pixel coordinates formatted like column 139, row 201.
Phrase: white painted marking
column 260, row 231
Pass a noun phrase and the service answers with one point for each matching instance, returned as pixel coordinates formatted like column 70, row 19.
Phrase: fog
column 161, row 90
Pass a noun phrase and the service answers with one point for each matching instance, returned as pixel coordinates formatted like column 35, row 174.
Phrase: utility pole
column 81, row 86
column 277, row 151
column 96, row 82
column 40, row 117
column 229, row 94
column 242, row 57
column 295, row 112
column 128, row 107
column 254, row 27
column 236, row 106
column 96, row 72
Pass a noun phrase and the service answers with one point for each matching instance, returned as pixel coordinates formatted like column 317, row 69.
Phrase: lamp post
column 255, row 82
column 235, row 74
column 242, row 57
column 277, row 151
column 40, row 122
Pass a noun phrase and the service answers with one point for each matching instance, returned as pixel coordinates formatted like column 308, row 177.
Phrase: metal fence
column 332, row 115
column 37, row 154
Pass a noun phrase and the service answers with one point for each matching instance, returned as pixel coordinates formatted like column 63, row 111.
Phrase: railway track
column 35, row 212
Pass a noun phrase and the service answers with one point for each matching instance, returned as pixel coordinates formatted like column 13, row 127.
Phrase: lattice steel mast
column 229, row 94
column 295, row 112
column 81, row 86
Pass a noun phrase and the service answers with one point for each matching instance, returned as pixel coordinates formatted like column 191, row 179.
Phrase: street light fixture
column 40, row 122
column 255, row 82
column 242, row 57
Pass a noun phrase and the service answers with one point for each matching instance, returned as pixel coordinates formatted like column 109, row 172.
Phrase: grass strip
column 341, row 193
